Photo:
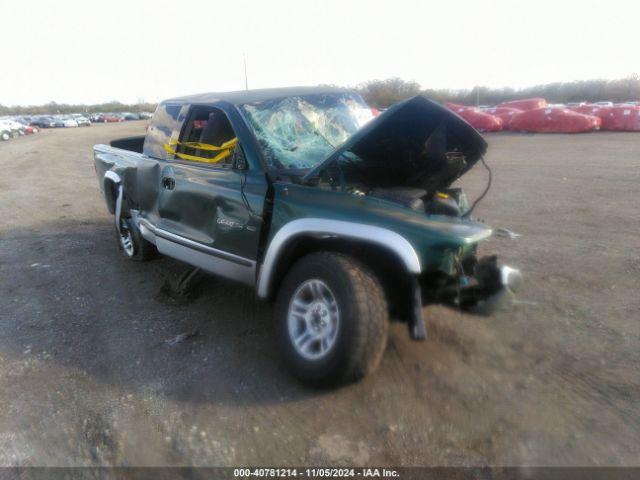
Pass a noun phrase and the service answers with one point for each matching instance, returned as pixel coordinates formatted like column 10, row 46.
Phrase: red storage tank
column 622, row 119
column 456, row 107
column 554, row 120
column 483, row 122
column 587, row 109
column 503, row 113
column 619, row 118
column 526, row 104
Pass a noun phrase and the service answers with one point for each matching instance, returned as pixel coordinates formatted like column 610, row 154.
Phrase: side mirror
column 238, row 160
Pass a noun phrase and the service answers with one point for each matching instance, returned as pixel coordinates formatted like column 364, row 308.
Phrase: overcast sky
column 96, row 51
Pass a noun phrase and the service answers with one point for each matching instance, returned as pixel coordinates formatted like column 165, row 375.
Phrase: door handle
column 168, row 183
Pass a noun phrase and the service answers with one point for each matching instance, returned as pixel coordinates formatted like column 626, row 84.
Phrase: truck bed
column 132, row 144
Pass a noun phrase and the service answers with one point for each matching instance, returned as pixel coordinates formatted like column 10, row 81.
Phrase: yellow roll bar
column 225, row 150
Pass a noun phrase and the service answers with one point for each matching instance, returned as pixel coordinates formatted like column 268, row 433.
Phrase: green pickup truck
column 345, row 219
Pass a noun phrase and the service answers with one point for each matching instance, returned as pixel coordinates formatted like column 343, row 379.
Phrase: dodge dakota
column 343, row 218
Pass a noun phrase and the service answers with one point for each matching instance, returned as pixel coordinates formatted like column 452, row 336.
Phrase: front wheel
column 332, row 319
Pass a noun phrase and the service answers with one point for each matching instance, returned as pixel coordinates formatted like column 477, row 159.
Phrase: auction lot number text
column 315, row 472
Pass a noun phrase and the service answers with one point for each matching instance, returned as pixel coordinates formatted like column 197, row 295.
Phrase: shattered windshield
column 300, row 132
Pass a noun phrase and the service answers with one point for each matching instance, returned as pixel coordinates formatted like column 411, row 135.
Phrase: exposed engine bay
column 409, row 155
column 419, row 179
column 451, row 202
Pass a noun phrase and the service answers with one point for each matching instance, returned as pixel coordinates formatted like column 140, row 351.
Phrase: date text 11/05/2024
column 315, row 472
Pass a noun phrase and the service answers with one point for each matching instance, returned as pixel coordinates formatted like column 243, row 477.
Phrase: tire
column 132, row 244
column 340, row 351
column 4, row 136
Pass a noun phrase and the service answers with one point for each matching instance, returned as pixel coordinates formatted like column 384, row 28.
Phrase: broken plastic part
column 499, row 300
column 505, row 232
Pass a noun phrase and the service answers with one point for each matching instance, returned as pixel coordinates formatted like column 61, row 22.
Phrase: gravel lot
column 86, row 377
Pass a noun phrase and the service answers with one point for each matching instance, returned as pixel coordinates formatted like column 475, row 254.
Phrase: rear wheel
column 332, row 319
column 132, row 243
column 4, row 136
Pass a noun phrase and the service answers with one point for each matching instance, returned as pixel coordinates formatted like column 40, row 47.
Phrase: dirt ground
column 87, row 378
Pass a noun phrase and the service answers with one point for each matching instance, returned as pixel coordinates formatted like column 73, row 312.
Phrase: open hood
column 416, row 143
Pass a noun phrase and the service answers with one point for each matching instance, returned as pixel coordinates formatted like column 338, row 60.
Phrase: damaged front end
column 479, row 286
column 395, row 172
column 410, row 156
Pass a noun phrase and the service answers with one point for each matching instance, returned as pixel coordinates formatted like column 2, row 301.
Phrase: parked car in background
column 5, row 131
column 81, row 120
column 16, row 128
column 130, row 116
column 25, row 127
column 108, row 118
column 145, row 115
column 56, row 122
column 24, row 120
column 41, row 122
column 69, row 122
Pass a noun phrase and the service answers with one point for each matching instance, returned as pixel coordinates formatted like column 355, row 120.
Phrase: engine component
column 407, row 196
column 442, row 204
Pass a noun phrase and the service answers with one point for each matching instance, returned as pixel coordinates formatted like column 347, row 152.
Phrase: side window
column 165, row 120
column 207, row 137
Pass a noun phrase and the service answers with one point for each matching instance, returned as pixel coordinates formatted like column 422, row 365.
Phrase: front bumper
column 490, row 288
column 510, row 280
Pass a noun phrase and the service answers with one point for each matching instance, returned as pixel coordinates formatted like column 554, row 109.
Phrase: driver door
column 210, row 204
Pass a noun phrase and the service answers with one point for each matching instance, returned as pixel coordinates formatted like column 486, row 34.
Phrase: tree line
column 382, row 93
